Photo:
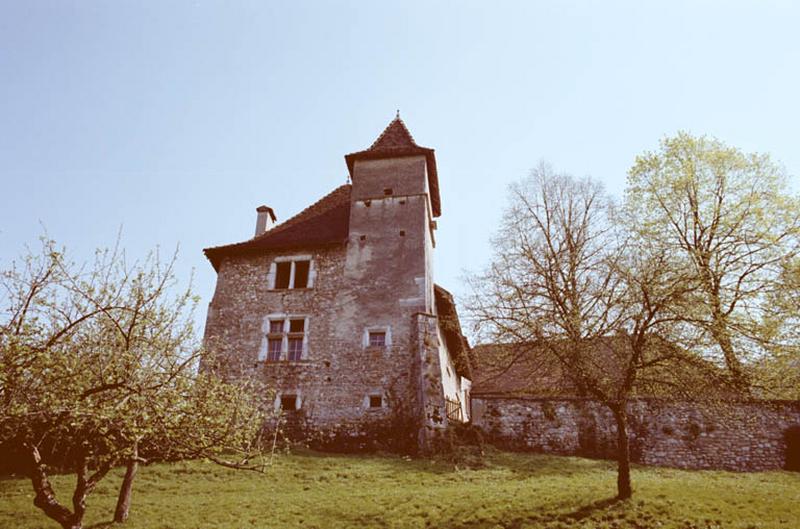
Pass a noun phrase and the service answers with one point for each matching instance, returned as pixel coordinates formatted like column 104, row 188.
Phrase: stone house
column 336, row 308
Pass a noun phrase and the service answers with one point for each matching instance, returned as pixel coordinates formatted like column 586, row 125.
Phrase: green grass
column 308, row 490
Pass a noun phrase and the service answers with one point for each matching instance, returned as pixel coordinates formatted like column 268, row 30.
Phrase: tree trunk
column 624, row 489
column 124, row 500
column 45, row 498
column 719, row 331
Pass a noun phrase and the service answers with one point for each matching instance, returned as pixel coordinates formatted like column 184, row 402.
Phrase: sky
column 171, row 121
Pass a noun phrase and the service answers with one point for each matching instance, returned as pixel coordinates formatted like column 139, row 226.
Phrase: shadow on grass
column 522, row 465
column 590, row 509
column 508, row 519
column 100, row 525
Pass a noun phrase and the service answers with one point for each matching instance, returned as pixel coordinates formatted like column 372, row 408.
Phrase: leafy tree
column 565, row 288
column 98, row 367
column 728, row 220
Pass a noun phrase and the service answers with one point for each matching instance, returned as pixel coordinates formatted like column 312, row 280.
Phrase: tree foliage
column 727, row 220
column 99, row 368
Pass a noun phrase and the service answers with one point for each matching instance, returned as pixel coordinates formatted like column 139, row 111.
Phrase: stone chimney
column 265, row 219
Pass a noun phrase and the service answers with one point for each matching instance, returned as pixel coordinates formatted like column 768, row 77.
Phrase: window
column 292, row 273
column 375, row 401
column 295, row 349
column 286, row 334
column 283, row 273
column 288, row 402
column 377, row 339
column 301, row 269
column 274, row 347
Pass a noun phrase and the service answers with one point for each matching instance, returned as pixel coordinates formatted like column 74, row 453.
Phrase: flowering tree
column 98, row 368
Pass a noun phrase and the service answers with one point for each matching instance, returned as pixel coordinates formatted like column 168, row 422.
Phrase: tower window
column 288, row 402
column 292, row 273
column 375, row 401
column 387, row 191
column 377, row 339
column 378, row 336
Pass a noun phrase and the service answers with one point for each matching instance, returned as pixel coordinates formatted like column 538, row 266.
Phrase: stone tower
column 337, row 311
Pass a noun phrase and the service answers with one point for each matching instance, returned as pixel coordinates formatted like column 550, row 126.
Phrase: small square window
column 297, row 325
column 276, row 326
column 387, row 191
column 377, row 338
column 375, row 401
column 289, row 402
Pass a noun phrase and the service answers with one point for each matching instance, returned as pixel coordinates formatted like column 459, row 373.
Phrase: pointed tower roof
column 397, row 142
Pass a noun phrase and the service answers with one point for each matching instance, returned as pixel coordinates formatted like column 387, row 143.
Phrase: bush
column 460, row 444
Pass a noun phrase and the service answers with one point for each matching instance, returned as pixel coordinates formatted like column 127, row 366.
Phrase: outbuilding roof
column 324, row 223
column 528, row 369
column 396, row 142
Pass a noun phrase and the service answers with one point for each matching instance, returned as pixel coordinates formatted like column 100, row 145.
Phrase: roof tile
column 325, row 222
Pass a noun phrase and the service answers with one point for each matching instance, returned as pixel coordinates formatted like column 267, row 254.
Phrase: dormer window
column 291, row 272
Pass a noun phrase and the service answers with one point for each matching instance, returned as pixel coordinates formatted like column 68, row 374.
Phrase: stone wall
column 744, row 436
column 337, row 373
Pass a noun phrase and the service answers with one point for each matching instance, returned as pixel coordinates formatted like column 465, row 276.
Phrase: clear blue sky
column 176, row 119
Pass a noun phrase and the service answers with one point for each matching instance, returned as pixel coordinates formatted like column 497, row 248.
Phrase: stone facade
column 374, row 282
column 744, row 436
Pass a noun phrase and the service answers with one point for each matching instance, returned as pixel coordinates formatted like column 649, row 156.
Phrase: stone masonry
column 743, row 436
column 371, row 365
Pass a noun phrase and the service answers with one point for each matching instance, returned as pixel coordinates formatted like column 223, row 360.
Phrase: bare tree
column 99, row 369
column 566, row 288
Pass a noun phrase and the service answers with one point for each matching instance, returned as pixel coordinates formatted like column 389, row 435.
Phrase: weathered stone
column 743, row 436
column 379, row 279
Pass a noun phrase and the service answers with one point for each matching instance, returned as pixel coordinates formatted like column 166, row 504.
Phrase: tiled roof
column 529, row 369
column 516, row 370
column 395, row 142
column 324, row 223
column 456, row 342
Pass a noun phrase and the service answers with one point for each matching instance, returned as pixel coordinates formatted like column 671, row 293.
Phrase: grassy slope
column 514, row 490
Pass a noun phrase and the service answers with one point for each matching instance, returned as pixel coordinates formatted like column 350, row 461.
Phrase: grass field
column 310, row 490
